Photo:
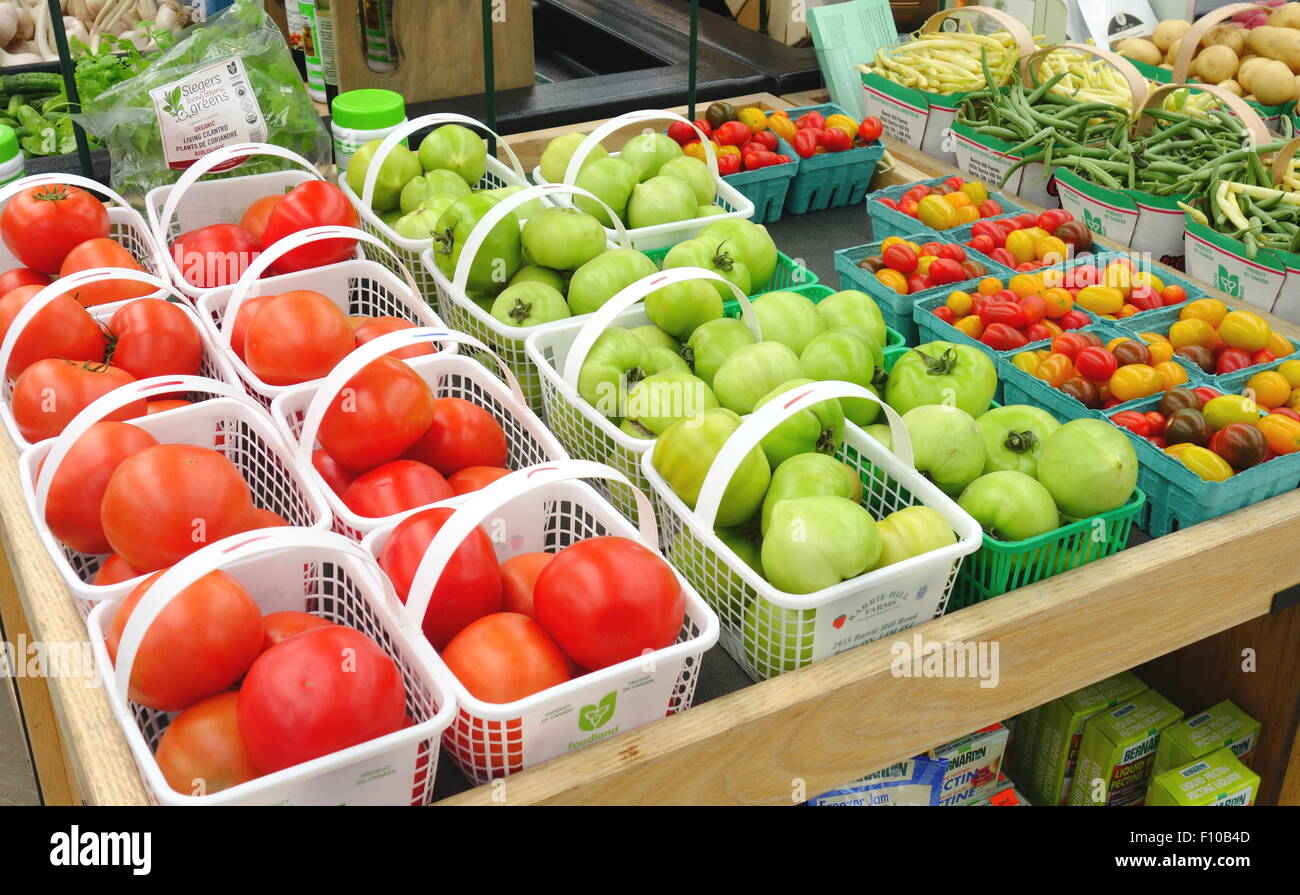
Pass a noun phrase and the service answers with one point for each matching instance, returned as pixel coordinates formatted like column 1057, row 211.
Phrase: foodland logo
column 594, row 717
column 78, row 849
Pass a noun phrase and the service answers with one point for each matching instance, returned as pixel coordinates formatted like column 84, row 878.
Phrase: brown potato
column 1272, row 83
column 1140, row 50
column 1215, row 64
column 1226, row 36
column 1169, row 31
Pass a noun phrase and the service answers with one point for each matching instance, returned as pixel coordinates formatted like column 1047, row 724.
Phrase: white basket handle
column 766, row 418
column 593, row 139
column 228, row 550
column 402, row 131
column 607, row 313
column 105, row 404
column 497, row 213
column 64, row 286
column 9, row 190
column 482, row 503
column 363, row 355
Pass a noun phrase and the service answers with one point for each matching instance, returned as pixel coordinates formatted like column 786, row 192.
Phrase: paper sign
column 846, row 35
column 1108, row 21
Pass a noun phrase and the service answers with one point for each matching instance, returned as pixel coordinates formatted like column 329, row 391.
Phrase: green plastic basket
column 789, row 275
column 832, row 179
column 767, row 188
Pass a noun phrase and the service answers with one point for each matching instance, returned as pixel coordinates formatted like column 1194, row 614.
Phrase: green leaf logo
column 172, row 102
column 594, row 717
column 1092, row 222
column 1227, row 282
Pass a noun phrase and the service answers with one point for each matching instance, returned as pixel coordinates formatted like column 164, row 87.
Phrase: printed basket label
column 1215, row 259
column 902, row 603
column 1105, row 212
column 210, row 108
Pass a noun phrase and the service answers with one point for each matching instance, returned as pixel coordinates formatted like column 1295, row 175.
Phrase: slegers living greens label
column 207, row 109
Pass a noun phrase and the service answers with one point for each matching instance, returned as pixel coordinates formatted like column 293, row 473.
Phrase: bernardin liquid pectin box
column 1218, row 780
column 1222, row 725
column 973, row 765
column 1118, row 751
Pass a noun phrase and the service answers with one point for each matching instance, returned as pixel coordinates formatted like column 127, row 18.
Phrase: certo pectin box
column 973, row 765
column 1118, row 751
column 917, row 781
column 1218, row 780
column 1053, row 731
column 1005, row 798
column 1222, row 725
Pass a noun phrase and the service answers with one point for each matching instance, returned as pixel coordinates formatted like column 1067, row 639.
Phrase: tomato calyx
column 941, row 365
column 444, row 241
column 55, row 192
column 1020, row 442
column 723, row 260
column 521, row 311
column 827, row 443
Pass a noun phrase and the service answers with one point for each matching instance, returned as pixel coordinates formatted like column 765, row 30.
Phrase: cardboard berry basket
column 886, row 221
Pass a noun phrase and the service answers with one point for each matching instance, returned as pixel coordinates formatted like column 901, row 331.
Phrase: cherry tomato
column 1133, row 381
column 1135, row 422
column 870, row 129
column 1055, row 370
column 1073, row 320
column 900, row 258
column 1095, row 363
column 1156, row 421
column 1069, row 344
column 1232, row 360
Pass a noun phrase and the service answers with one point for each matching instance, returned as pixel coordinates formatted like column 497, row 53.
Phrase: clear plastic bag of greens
column 230, row 79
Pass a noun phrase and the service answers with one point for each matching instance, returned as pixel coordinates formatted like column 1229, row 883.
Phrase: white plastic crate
column 306, row 571
column 464, row 314
column 358, row 287
column 229, row 423
column 543, row 508
column 787, row 631
column 214, row 365
column 408, row 251
column 298, row 411
column 558, row 351
column 732, row 201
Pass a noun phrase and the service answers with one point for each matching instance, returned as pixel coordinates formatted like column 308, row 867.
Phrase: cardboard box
column 1010, row 797
column 1222, row 725
column 917, row 781
column 1118, row 750
column 1218, row 780
column 974, row 763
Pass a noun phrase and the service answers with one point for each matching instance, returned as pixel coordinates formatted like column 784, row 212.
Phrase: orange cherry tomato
column 971, row 325
column 893, row 279
column 1172, row 373
column 1211, row 310
column 1281, row 432
column 989, row 286
column 1023, row 284
column 1059, row 302
column 1160, row 352
column 1055, row 370
column 1269, row 389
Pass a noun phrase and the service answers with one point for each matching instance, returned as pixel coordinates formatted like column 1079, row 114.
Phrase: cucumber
column 32, row 83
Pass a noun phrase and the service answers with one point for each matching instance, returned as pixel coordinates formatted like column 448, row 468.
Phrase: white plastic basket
column 357, row 287
column 298, row 412
column 543, row 508
column 190, row 203
column 124, row 224
column 214, row 365
column 558, row 351
column 306, row 571
column 408, row 251
column 229, row 423
column 732, row 201
column 788, row 631
column 463, row 314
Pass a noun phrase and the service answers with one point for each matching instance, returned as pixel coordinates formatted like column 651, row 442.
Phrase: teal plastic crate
column 767, row 188
column 789, row 274
column 1160, row 320
column 885, row 221
column 815, row 293
column 832, row 179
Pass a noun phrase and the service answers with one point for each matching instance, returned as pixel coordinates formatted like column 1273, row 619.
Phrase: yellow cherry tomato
column 893, row 279
column 1152, row 338
column 729, row 150
column 1279, row 345
column 1100, row 299
column 696, row 150
column 844, row 123
column 1172, row 373
column 1133, row 381
column 1244, row 329
column 971, row 325
column 1023, row 284
column 989, row 286
column 756, row 121
column 1052, row 327
column 892, row 241
column 1020, row 243
column 923, row 264
column 968, row 214
column 1118, row 276
column 1269, row 388
column 960, row 303
column 1147, row 278
column 1160, row 352
column 1043, row 353
column 976, row 190
column 783, row 126
column 1027, row 361
column 935, row 213
column 1192, row 332
column 1211, row 310
column 1049, row 245
column 1293, row 402
column 916, row 248
column 1202, row 461
column 1291, row 370
column 1228, row 409
column 957, row 199
column 1281, row 432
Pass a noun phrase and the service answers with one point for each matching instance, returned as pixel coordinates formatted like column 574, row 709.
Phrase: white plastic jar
column 11, row 156
column 359, row 116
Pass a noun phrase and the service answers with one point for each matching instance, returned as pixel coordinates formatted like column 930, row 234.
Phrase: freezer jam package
column 974, row 762
column 1218, row 780
column 1118, row 751
column 1048, row 736
column 917, row 781
column 1222, row 725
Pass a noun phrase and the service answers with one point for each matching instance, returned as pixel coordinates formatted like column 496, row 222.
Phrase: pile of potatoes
column 1261, row 64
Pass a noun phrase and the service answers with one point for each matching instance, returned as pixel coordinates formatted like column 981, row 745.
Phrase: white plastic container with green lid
column 359, row 116
column 11, row 156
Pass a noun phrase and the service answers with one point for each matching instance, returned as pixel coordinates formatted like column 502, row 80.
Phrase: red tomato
column 266, row 519
column 870, row 129
column 334, row 475
column 248, row 308
column 732, row 133
column 1003, row 257
column 1173, row 294
column 1156, row 422
column 51, row 392
column 982, row 244
column 1037, row 332
column 918, row 283
column 114, row 570
column 296, row 337
column 888, row 202
column 1206, row 394
column 169, row 500
column 1053, row 218
column 382, row 412
column 382, row 326
column 62, row 329
column 1144, row 298
column 832, row 139
column 255, row 218
column 1095, row 363
column 42, row 224
column 929, row 248
column 1263, row 356
column 21, row 276
column 201, row 752
column 313, row 203
column 1135, row 422
column 199, row 645
column 682, row 133
column 395, row 486
column 471, row 478
column 461, row 435
column 72, row 509
column 1232, row 360
column 470, row 585
column 518, row 578
column 952, row 252
column 280, row 626
column 945, row 313
column 900, row 258
column 989, row 230
column 944, row 271
column 152, row 337
column 1009, row 313
column 1003, row 337
column 1069, row 344
column 1034, row 307
column 989, row 209
column 215, row 255
column 813, row 119
column 96, row 253
column 609, row 599
column 158, row 405
column 506, row 656
column 1073, row 320
column 299, row 701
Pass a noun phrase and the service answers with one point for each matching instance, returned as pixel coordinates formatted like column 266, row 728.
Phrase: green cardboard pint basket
column 767, row 188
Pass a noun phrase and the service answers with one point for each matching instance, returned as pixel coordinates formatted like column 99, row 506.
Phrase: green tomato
column 535, row 274
column 662, row 360
column 809, row 475
column 946, row 445
column 616, row 362
column 942, row 373
column 660, row 200
column 457, row 149
column 881, row 433
column 910, row 532
column 686, row 449
column 845, row 355
column 1010, row 505
column 681, row 308
column 647, row 153
column 750, row 242
column 484, row 300
column 817, row 428
column 609, row 179
column 742, row 541
column 709, row 255
column 812, row 543
column 400, row 167
column 391, row 217
column 712, row 343
column 789, row 318
column 1014, row 436
column 752, row 372
column 558, row 152
column 523, row 212
column 563, row 238
column 1089, row 467
column 499, row 257
column 421, row 223
column 695, row 174
column 435, row 183
column 658, row 401
column 528, row 304
column 709, row 211
column 601, row 278
column 654, row 337
column 854, row 310
column 777, row 639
